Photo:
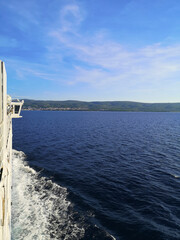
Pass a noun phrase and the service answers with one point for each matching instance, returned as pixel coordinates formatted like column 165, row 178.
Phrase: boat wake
column 41, row 210
column 35, row 214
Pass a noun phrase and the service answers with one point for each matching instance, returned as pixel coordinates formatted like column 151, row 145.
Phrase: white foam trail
column 40, row 209
column 174, row 175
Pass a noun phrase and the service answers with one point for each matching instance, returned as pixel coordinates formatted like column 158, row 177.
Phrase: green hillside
column 100, row 106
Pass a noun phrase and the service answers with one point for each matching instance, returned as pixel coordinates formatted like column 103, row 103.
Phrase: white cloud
column 102, row 61
column 70, row 16
column 75, row 56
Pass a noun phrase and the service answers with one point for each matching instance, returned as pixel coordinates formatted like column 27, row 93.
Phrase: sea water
column 96, row 175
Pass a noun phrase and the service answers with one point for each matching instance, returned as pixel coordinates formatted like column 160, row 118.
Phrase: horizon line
column 98, row 101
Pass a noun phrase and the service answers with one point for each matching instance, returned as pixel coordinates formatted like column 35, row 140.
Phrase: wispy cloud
column 102, row 61
column 25, row 12
column 59, row 45
column 70, row 16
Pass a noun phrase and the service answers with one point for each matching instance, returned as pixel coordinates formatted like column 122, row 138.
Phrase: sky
column 92, row 50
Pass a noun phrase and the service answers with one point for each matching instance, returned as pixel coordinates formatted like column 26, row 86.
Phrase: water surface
column 94, row 175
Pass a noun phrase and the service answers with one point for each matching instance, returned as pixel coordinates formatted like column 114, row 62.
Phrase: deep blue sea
column 96, row 175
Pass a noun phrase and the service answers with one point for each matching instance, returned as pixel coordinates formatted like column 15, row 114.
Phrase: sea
column 96, row 175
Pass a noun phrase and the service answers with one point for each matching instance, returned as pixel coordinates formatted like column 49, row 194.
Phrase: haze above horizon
column 119, row 50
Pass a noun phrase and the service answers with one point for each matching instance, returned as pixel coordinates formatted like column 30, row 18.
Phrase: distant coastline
column 72, row 105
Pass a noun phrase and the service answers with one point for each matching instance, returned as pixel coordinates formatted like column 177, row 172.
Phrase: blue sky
column 92, row 49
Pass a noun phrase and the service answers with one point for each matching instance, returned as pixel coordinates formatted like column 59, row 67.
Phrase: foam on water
column 35, row 214
column 175, row 175
column 41, row 211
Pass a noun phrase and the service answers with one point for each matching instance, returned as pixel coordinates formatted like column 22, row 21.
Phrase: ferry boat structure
column 8, row 109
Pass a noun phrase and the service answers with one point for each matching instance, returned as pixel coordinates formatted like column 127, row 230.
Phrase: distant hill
column 72, row 105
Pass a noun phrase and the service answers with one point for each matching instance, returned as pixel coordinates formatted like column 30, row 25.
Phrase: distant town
column 55, row 109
